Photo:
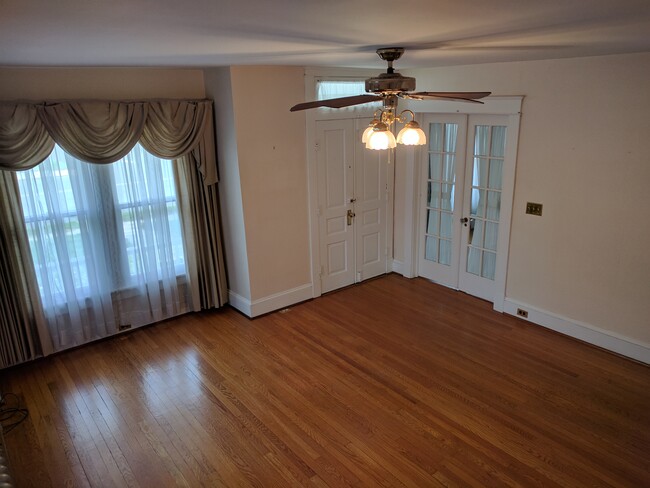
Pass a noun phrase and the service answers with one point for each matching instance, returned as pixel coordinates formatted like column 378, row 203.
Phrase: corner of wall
column 218, row 87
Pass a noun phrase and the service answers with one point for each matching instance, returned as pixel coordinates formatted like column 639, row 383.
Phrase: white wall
column 584, row 154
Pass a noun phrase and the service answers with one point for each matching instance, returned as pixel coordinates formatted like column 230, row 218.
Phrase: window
column 100, row 229
column 326, row 89
column 339, row 88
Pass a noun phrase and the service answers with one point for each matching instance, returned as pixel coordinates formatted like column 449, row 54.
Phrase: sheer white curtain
column 106, row 243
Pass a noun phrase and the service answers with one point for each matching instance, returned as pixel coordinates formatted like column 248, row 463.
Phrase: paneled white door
column 351, row 204
column 466, row 200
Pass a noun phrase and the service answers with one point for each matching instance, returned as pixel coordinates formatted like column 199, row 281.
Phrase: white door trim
column 510, row 106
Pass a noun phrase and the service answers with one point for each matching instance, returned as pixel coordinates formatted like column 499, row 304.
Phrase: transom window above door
column 339, row 88
column 326, row 89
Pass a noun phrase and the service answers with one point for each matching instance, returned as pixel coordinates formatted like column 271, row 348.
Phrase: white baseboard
column 272, row 302
column 398, row 267
column 281, row 300
column 585, row 332
column 239, row 302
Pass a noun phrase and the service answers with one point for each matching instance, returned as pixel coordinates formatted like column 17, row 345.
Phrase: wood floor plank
column 392, row 382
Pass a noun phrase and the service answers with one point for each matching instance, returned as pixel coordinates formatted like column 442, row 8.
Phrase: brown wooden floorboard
column 393, row 382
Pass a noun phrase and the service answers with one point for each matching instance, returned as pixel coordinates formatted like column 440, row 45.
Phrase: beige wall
column 106, row 83
column 273, row 171
column 584, row 154
column 218, row 87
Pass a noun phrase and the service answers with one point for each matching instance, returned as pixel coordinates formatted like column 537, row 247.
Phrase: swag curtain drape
column 103, row 132
column 20, row 313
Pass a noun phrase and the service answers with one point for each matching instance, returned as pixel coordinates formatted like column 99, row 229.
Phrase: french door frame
column 503, row 106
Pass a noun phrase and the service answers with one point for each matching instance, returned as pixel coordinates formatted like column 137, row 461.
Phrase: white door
column 370, row 195
column 441, row 201
column 351, row 204
column 468, row 183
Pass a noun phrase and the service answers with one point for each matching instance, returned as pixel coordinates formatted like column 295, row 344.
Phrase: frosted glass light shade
column 411, row 135
column 381, row 138
column 367, row 132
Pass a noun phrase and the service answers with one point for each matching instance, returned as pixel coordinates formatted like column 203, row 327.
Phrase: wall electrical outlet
column 534, row 208
column 522, row 313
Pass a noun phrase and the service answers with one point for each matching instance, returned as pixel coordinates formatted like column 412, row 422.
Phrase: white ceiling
column 314, row 32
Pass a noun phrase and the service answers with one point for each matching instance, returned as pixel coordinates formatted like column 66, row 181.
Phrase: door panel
column 350, row 179
column 370, row 208
column 336, row 180
column 486, row 148
column 441, row 201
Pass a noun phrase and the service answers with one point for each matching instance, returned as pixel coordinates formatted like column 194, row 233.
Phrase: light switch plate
column 534, row 208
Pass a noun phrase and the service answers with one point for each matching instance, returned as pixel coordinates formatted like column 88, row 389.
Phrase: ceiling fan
column 391, row 84
column 387, row 88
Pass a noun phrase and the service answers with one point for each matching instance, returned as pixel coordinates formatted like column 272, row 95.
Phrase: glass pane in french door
column 441, row 180
column 485, row 204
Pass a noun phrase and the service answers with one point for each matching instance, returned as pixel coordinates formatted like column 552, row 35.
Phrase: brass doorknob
column 350, row 216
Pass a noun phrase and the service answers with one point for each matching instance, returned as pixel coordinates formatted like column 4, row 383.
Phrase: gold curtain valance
column 103, row 132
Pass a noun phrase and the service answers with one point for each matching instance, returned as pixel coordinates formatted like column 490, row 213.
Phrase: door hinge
column 319, row 212
column 317, row 145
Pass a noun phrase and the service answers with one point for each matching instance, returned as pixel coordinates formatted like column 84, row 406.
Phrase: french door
column 352, row 198
column 467, row 183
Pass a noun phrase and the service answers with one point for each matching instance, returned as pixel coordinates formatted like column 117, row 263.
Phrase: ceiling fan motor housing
column 390, row 83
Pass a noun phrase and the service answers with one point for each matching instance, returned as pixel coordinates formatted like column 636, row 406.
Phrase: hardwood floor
column 394, row 382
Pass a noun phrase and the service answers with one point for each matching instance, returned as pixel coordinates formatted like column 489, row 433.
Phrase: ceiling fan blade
column 456, row 96
column 337, row 102
column 464, row 95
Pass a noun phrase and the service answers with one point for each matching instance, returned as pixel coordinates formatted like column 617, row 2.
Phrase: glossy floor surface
column 394, row 382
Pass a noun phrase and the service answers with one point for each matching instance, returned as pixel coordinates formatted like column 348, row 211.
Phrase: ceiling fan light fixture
column 366, row 133
column 412, row 135
column 381, row 138
column 371, row 126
